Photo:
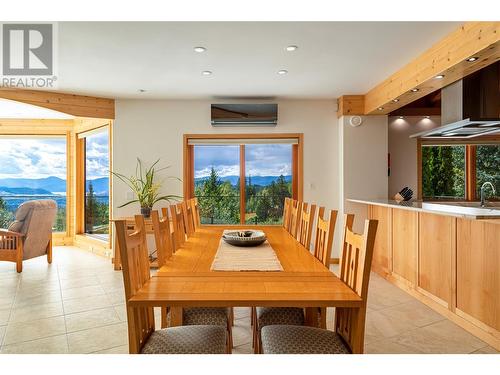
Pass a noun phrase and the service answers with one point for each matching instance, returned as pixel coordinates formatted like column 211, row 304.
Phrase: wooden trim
column 76, row 105
column 300, row 168
column 349, row 105
column 470, row 172
column 419, row 169
column 243, row 183
column 245, row 136
column 447, row 57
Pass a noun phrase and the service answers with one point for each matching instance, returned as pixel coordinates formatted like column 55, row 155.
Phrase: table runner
column 234, row 258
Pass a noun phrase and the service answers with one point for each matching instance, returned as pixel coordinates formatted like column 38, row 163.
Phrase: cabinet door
column 478, row 270
column 437, row 242
column 381, row 261
column 405, row 244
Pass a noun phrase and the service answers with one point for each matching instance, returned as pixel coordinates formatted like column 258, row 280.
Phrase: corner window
column 488, row 167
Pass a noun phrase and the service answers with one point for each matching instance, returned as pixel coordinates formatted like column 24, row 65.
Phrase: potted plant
column 145, row 187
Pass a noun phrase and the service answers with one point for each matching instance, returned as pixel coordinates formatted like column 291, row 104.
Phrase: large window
column 457, row 171
column 242, row 180
column 97, row 183
column 32, row 167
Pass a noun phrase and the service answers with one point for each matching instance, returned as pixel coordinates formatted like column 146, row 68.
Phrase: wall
column 152, row 129
column 363, row 164
column 403, row 150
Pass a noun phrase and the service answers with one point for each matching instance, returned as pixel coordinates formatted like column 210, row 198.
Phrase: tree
column 210, row 196
column 5, row 215
column 90, row 209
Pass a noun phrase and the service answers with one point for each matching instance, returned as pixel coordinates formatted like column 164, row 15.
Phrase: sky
column 41, row 157
column 260, row 160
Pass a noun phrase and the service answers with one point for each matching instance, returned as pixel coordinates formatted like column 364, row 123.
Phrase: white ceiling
column 12, row 109
column 334, row 58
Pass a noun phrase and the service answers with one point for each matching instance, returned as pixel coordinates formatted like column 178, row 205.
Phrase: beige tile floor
column 76, row 305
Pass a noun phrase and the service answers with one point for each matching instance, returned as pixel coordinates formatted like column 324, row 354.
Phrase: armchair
column 30, row 234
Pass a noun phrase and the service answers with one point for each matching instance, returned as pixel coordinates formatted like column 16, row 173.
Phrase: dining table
column 188, row 280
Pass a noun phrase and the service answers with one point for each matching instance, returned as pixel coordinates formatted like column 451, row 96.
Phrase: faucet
column 483, row 200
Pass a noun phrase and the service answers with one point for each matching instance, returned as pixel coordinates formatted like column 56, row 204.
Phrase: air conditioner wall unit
column 244, row 115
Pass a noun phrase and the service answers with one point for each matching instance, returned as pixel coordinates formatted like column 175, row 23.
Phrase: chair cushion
column 280, row 315
column 216, row 316
column 287, row 339
column 187, row 340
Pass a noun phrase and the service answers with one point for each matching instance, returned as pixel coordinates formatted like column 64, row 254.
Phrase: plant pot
column 146, row 212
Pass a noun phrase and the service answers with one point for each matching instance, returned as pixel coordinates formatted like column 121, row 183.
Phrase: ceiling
column 117, row 59
column 10, row 109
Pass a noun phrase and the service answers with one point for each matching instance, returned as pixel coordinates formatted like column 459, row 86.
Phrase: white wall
column 363, row 164
column 151, row 129
column 403, row 150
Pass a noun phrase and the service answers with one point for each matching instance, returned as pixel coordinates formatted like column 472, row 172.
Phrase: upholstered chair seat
column 217, row 316
column 279, row 315
column 192, row 339
column 293, row 339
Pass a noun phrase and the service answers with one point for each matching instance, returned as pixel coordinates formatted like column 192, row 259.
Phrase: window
column 32, row 167
column 453, row 171
column 96, row 213
column 443, row 172
column 242, row 181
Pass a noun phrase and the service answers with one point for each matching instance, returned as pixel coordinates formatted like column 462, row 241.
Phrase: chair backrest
column 306, row 225
column 355, row 264
column 187, row 214
column 135, row 267
column 195, row 209
column 324, row 236
column 295, row 212
column 35, row 220
column 286, row 212
column 163, row 235
column 177, row 216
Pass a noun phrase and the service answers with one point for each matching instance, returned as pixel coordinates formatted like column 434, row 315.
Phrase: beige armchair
column 30, row 234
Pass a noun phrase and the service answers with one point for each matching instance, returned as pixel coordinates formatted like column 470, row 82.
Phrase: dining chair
column 221, row 316
column 349, row 324
column 323, row 241
column 295, row 213
column 187, row 214
column 306, row 224
column 286, row 212
column 163, row 235
column 195, row 209
column 177, row 225
column 143, row 338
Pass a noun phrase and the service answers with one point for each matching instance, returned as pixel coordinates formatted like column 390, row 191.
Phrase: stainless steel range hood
column 469, row 107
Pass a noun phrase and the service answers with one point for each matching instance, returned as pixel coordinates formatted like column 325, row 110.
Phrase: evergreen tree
column 90, row 209
column 5, row 215
column 209, row 204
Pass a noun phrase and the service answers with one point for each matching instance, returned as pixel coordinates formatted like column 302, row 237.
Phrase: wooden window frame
column 297, row 163
column 470, row 163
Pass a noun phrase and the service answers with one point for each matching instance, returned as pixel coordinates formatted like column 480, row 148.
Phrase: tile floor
column 76, row 305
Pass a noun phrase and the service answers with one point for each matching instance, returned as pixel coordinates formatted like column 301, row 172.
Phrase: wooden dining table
column 186, row 280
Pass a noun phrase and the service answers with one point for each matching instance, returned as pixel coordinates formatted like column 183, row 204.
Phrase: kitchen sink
column 493, row 205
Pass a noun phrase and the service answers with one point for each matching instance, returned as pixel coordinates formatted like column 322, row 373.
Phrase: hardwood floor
column 76, row 305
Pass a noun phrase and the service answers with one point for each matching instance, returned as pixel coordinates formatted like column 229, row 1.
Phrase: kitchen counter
column 449, row 209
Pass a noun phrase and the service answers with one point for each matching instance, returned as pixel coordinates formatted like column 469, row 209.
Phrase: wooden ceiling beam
column 349, row 105
column 76, row 105
column 447, row 57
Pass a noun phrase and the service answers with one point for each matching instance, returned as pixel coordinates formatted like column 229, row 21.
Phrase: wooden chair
column 348, row 337
column 295, row 212
column 286, row 213
column 178, row 225
column 163, row 236
column 143, row 338
column 219, row 316
column 324, row 236
column 306, row 225
column 187, row 214
column 195, row 209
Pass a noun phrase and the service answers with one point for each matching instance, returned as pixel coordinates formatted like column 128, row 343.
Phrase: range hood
column 470, row 107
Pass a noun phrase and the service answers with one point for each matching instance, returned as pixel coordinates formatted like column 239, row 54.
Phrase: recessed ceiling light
column 427, row 117
column 142, row 90
column 282, row 72
column 291, row 48
column 401, row 117
column 471, row 59
column 380, row 108
column 200, row 49
column 395, row 100
column 439, row 76
column 414, row 90
column 206, row 73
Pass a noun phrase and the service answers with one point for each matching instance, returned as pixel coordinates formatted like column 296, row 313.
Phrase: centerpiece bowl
column 244, row 238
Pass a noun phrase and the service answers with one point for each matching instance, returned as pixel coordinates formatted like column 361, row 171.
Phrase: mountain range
column 43, row 186
column 256, row 180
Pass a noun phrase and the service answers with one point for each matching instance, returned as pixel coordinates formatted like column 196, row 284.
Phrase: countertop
column 450, row 209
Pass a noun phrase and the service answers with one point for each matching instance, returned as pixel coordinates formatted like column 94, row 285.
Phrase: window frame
column 297, row 163
column 470, row 163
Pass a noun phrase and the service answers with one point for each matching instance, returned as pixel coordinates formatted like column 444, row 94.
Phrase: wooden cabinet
column 405, row 244
column 435, row 256
column 381, row 261
column 478, row 270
